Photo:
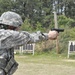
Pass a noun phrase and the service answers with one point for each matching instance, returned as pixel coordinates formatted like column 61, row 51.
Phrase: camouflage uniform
column 10, row 39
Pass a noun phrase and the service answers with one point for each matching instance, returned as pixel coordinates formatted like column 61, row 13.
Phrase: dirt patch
column 69, row 60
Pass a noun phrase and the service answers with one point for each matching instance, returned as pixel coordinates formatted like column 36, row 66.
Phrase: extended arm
column 10, row 38
column 39, row 36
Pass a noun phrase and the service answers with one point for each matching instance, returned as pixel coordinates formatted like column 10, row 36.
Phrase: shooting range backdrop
column 27, row 48
column 71, row 47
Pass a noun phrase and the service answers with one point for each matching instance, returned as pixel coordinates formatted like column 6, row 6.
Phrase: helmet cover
column 11, row 18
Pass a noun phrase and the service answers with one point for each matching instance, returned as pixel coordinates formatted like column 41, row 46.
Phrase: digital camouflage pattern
column 10, row 38
column 11, row 18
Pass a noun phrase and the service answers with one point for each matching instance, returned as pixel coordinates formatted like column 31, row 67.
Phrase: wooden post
column 56, row 26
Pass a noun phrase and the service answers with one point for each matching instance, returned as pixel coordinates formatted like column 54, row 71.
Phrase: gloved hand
column 52, row 35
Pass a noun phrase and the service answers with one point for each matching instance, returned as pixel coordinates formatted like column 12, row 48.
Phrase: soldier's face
column 17, row 28
column 12, row 27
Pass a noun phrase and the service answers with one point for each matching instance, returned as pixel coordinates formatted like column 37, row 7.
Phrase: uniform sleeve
column 32, row 37
column 10, row 38
column 38, row 36
column 15, row 38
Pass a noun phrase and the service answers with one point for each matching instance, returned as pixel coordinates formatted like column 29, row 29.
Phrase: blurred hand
column 52, row 35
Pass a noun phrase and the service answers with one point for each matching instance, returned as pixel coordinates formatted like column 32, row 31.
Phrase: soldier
column 10, row 38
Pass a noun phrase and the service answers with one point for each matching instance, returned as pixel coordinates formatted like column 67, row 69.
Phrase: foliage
column 26, row 26
column 64, row 21
column 38, row 10
column 72, row 33
column 39, row 27
column 37, row 15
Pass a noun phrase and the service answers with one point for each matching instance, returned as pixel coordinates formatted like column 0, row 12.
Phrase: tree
column 5, row 5
column 26, row 25
column 38, row 10
column 70, row 8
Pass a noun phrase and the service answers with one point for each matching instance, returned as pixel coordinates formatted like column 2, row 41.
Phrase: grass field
column 45, row 64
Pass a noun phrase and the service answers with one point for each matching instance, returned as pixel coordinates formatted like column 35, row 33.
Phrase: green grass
column 45, row 64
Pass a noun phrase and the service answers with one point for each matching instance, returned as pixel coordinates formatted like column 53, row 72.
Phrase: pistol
column 58, row 30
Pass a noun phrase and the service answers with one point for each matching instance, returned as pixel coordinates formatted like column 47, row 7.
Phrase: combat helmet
column 11, row 18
